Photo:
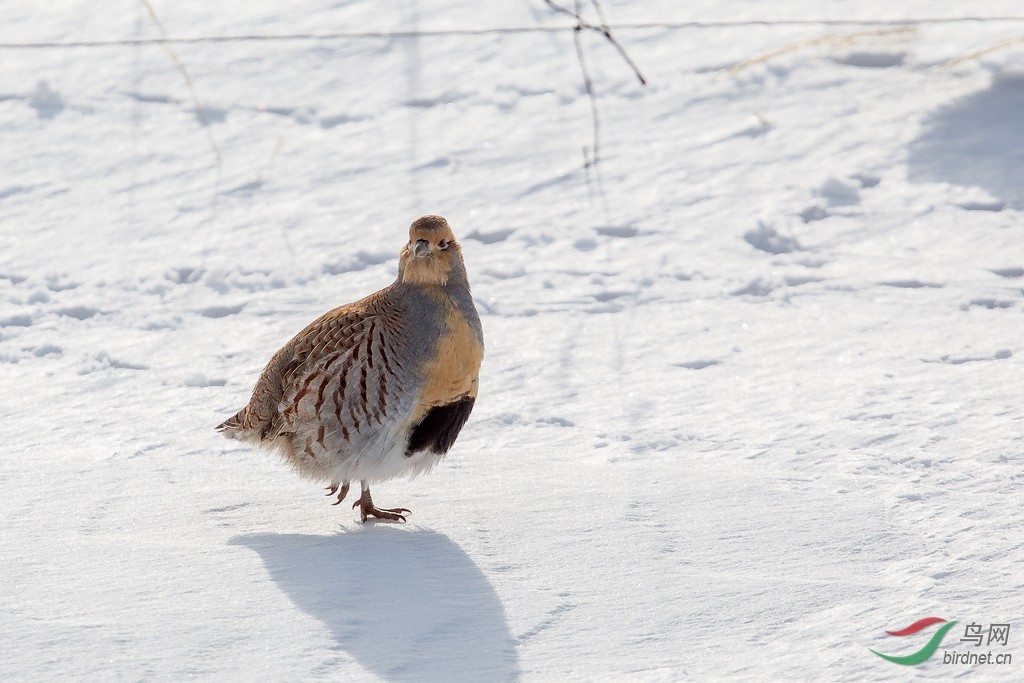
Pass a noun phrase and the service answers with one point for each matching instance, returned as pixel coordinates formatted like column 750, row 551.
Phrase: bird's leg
column 368, row 509
column 333, row 488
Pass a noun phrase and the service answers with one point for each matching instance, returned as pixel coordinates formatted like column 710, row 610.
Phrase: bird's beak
column 421, row 248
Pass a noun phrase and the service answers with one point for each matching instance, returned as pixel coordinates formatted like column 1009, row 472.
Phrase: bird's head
column 432, row 256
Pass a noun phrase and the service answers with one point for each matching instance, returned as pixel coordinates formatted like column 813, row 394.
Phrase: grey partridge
column 380, row 387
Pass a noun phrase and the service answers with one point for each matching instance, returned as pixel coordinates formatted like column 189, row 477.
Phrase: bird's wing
column 351, row 380
column 264, row 417
column 328, row 346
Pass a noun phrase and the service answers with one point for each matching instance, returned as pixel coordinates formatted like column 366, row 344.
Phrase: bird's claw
column 368, row 509
column 333, row 488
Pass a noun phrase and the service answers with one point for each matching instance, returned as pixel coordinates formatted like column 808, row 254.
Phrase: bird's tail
column 245, row 427
column 232, row 428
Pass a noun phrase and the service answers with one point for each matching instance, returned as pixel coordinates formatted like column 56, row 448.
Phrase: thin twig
column 591, row 159
column 200, row 114
column 588, row 85
column 604, row 28
column 981, row 52
column 606, row 31
column 830, row 39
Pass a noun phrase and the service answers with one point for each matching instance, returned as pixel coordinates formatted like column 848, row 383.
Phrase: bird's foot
column 392, row 514
column 333, row 488
column 368, row 509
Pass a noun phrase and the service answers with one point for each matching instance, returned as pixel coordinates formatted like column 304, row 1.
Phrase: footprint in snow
column 1009, row 273
column 698, row 364
column 765, row 238
column 16, row 321
column 220, row 311
column 1002, row 354
column 198, row 379
column 990, row 304
column 872, row 60
column 623, row 231
column 492, row 237
column 78, row 312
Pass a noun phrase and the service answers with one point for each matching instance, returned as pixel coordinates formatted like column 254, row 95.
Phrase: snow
column 752, row 393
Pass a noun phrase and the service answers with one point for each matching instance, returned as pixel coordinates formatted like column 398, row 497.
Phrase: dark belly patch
column 440, row 427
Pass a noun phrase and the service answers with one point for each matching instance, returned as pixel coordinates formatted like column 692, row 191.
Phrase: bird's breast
column 452, row 373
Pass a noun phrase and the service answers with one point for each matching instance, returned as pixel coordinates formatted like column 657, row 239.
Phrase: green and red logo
column 929, row 648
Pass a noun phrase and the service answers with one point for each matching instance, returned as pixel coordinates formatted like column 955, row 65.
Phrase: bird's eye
column 442, row 245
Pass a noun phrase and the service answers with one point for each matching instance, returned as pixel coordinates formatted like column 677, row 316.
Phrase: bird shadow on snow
column 976, row 141
column 407, row 604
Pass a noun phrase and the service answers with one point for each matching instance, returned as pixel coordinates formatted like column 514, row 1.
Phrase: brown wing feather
column 324, row 339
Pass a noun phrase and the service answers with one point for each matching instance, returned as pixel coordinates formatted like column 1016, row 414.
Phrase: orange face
column 431, row 254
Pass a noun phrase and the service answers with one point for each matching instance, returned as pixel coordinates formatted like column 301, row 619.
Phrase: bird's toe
column 341, row 494
column 389, row 514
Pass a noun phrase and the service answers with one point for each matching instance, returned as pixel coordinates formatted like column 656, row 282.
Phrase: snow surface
column 752, row 393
